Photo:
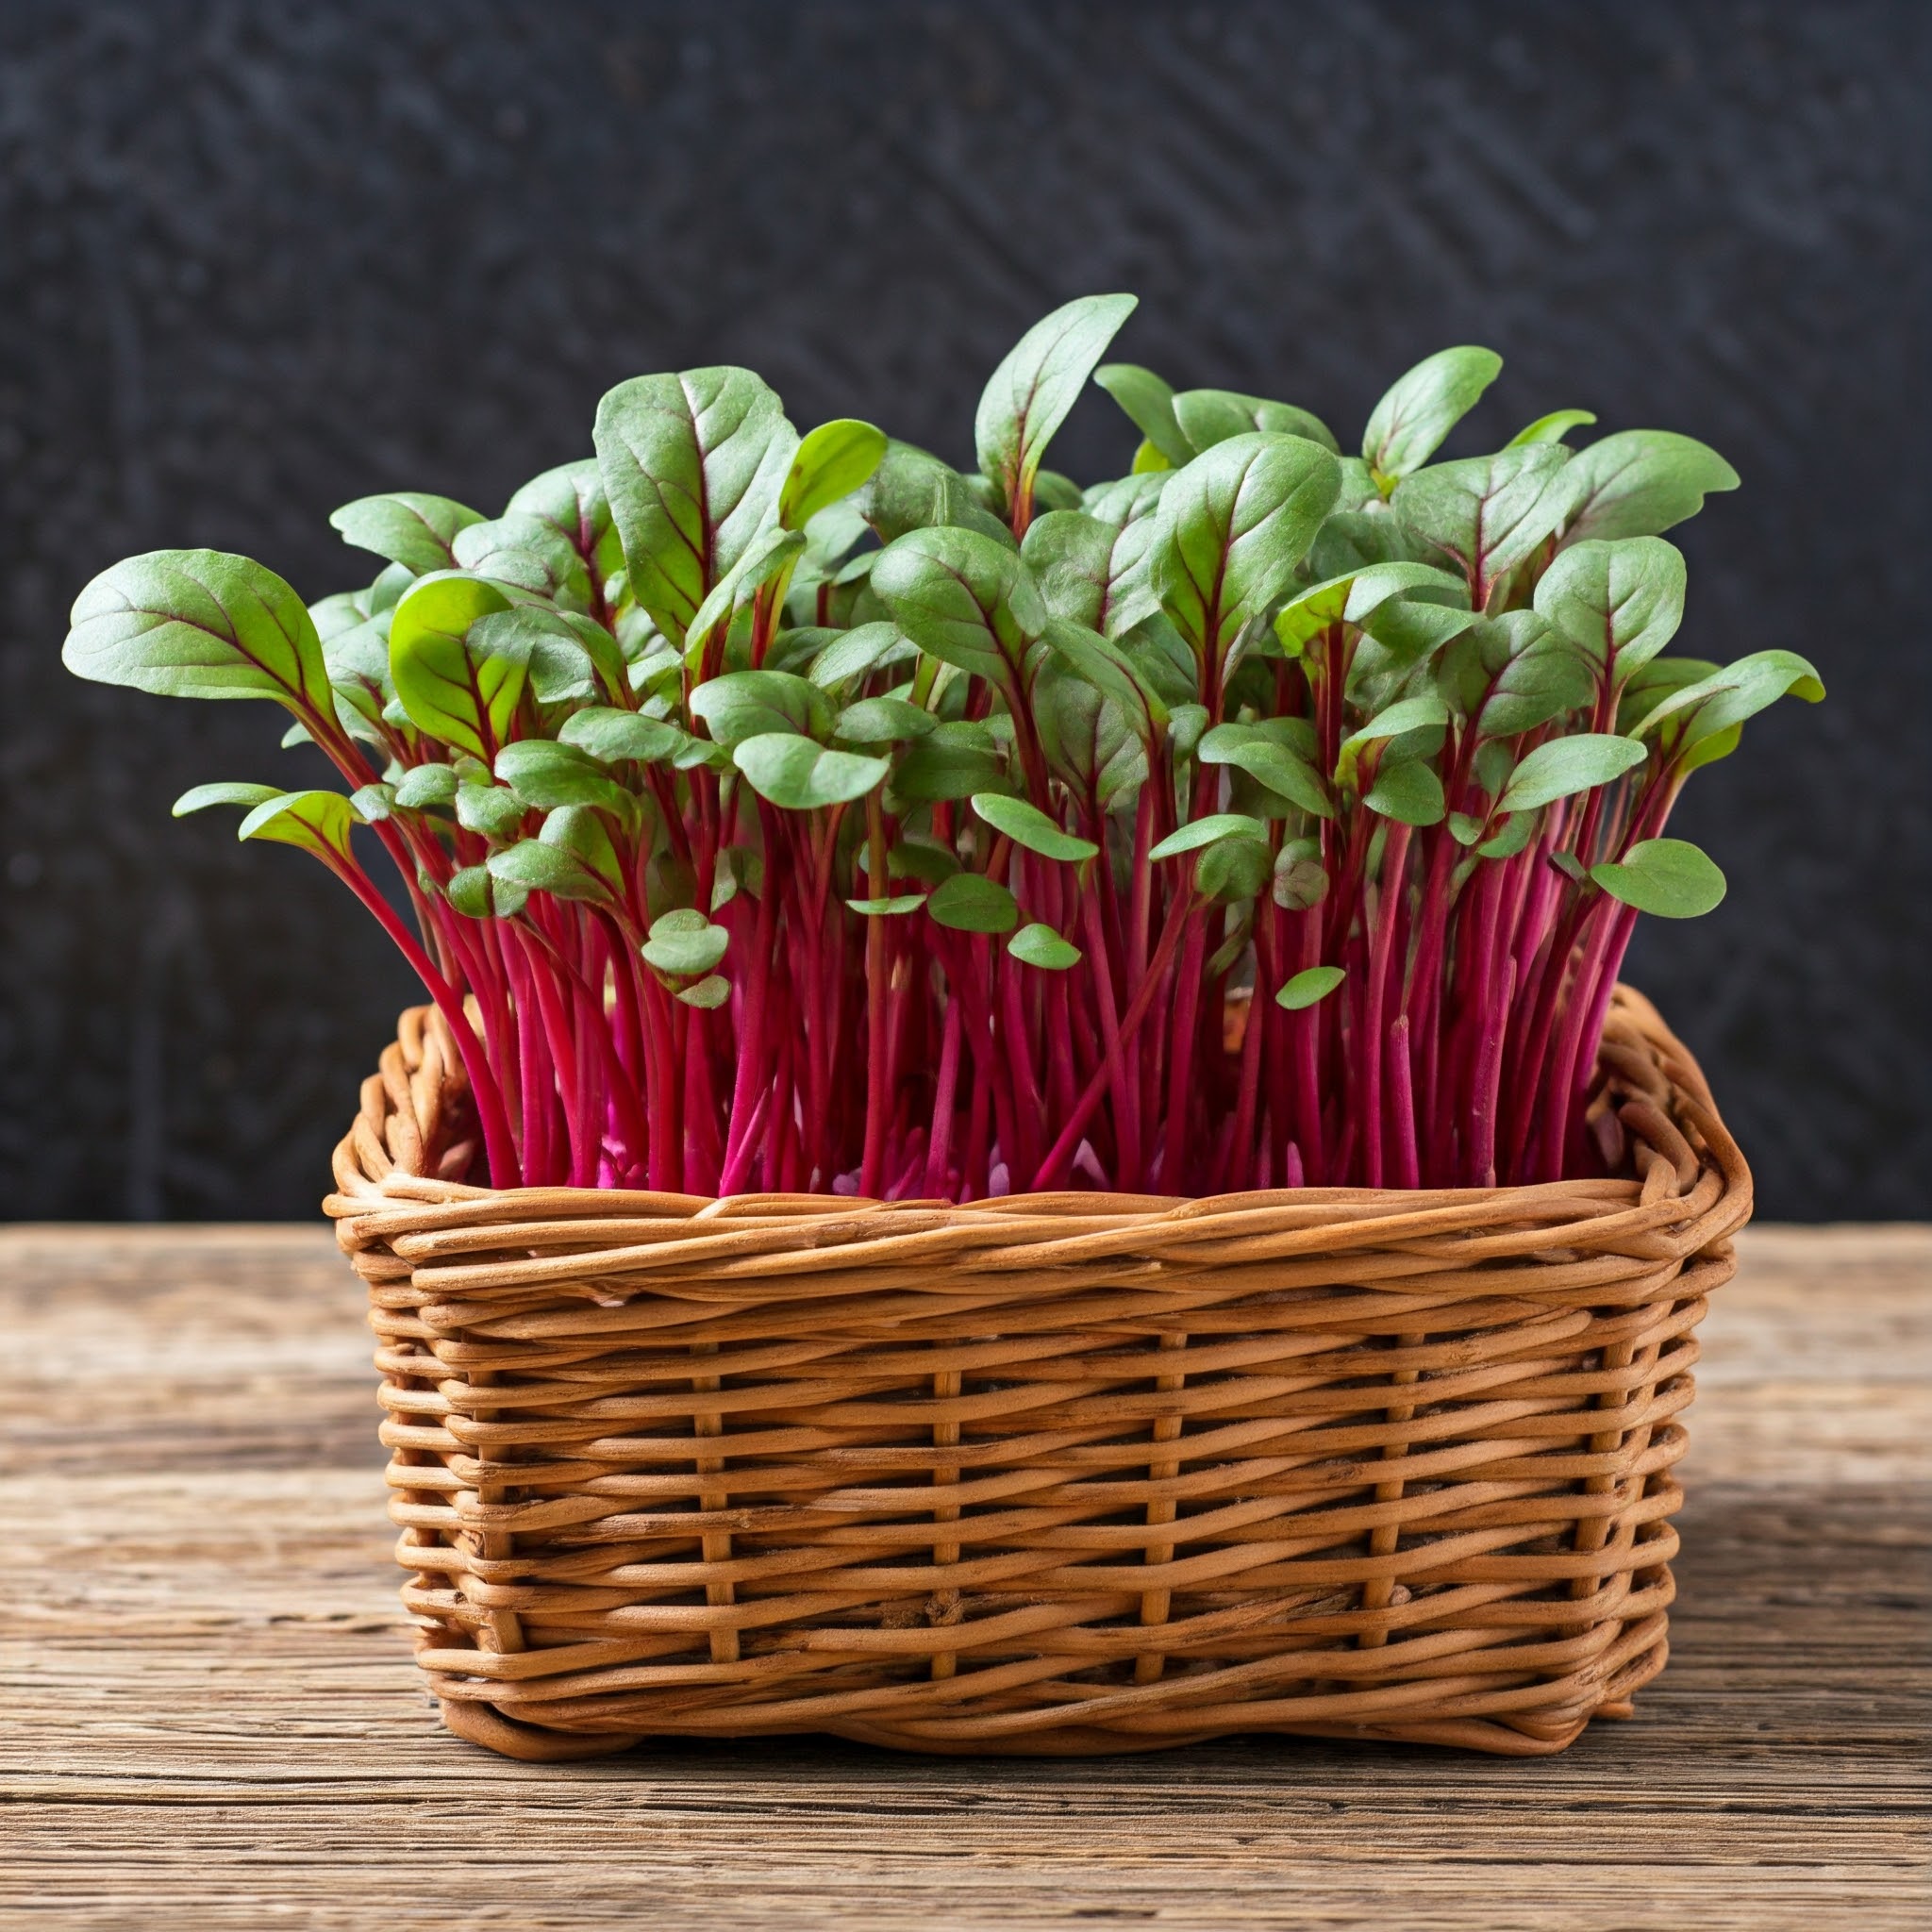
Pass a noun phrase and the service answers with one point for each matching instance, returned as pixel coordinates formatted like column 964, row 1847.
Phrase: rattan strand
column 1053, row 1473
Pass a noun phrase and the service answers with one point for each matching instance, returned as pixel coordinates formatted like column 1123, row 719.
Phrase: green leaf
column 1308, row 987
column 1208, row 416
column 913, row 489
column 529, row 553
column 926, row 859
column 744, row 704
column 1551, row 428
column 854, row 653
column 1517, row 831
column 544, row 773
column 224, row 792
column 1637, row 483
column 961, row 598
column 692, row 465
column 406, row 527
column 1262, row 755
column 970, row 901
column 610, row 734
column 1353, row 597
column 830, row 463
column 1026, row 825
column 567, row 653
column 1208, row 831
column 1620, row 602
column 1565, row 766
column 1670, row 877
column 460, row 696
column 1487, row 515
column 199, row 624
column 1299, row 880
column 477, row 895
column 1040, row 946
column 1090, row 572
column 1408, row 714
column 888, row 909
column 1104, row 666
column 708, row 993
column 424, row 786
column 1408, row 425
column 882, row 721
column 1234, row 525
column 1407, row 790
column 794, row 773
column 953, row 761
column 685, row 944
column 572, row 859
column 570, row 500
column 318, row 823
column 1723, row 700
column 1233, row 870
column 493, row 811
column 1149, row 404
column 1040, row 379
column 1545, row 679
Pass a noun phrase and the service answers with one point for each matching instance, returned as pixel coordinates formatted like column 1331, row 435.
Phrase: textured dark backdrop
column 255, row 260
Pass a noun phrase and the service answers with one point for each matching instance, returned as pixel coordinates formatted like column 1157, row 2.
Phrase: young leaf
column 1487, row 515
column 1407, row 790
column 318, row 823
column 493, row 811
column 477, row 893
column 1409, row 422
column 463, row 697
column 224, row 791
column 1408, row 714
column 1621, row 603
column 1551, row 428
column 1568, row 765
column 1149, row 404
column 529, row 553
column 1207, row 416
column 970, row 901
column 1308, row 987
column 692, row 465
column 1033, row 389
column 199, row 624
column 1026, row 825
column 888, row 909
column 423, row 787
column 913, row 489
column 544, row 773
column 406, row 527
column 1670, row 877
column 1723, row 700
column 882, row 720
column 852, row 654
column 708, row 993
column 1234, row 525
column 794, row 773
column 1232, row 870
column 570, row 500
column 961, row 598
column 609, row 736
column 1354, row 596
column 685, row 944
column 1636, row 484
column 1090, row 572
column 572, row 859
column 1207, row 831
column 1040, row 946
column 830, row 463
column 744, row 704
column 1266, row 758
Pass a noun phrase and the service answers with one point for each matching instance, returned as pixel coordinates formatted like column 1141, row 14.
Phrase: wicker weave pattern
column 1055, row 1474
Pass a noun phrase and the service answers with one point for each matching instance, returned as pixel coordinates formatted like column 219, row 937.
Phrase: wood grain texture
column 212, row 1720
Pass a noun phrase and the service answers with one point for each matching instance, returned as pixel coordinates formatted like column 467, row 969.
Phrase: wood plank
column 212, row 1720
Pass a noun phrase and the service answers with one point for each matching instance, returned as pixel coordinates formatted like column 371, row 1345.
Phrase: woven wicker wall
column 259, row 260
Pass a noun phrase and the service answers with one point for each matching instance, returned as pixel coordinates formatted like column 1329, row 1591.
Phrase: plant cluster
column 798, row 813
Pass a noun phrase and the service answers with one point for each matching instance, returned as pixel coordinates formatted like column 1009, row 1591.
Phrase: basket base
column 1523, row 1737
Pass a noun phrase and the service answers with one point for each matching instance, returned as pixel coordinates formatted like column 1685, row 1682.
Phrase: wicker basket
column 1052, row 1473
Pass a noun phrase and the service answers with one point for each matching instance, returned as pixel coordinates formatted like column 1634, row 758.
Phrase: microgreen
column 800, row 813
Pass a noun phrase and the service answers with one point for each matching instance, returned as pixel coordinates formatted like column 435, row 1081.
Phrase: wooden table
column 210, row 1720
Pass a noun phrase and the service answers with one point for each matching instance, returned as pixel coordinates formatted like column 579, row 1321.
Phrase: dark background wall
column 257, row 260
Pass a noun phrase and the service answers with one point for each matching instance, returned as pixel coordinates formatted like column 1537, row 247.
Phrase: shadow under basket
column 1056, row 1474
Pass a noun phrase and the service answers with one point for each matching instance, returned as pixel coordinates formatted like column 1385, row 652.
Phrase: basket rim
column 1691, row 1186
